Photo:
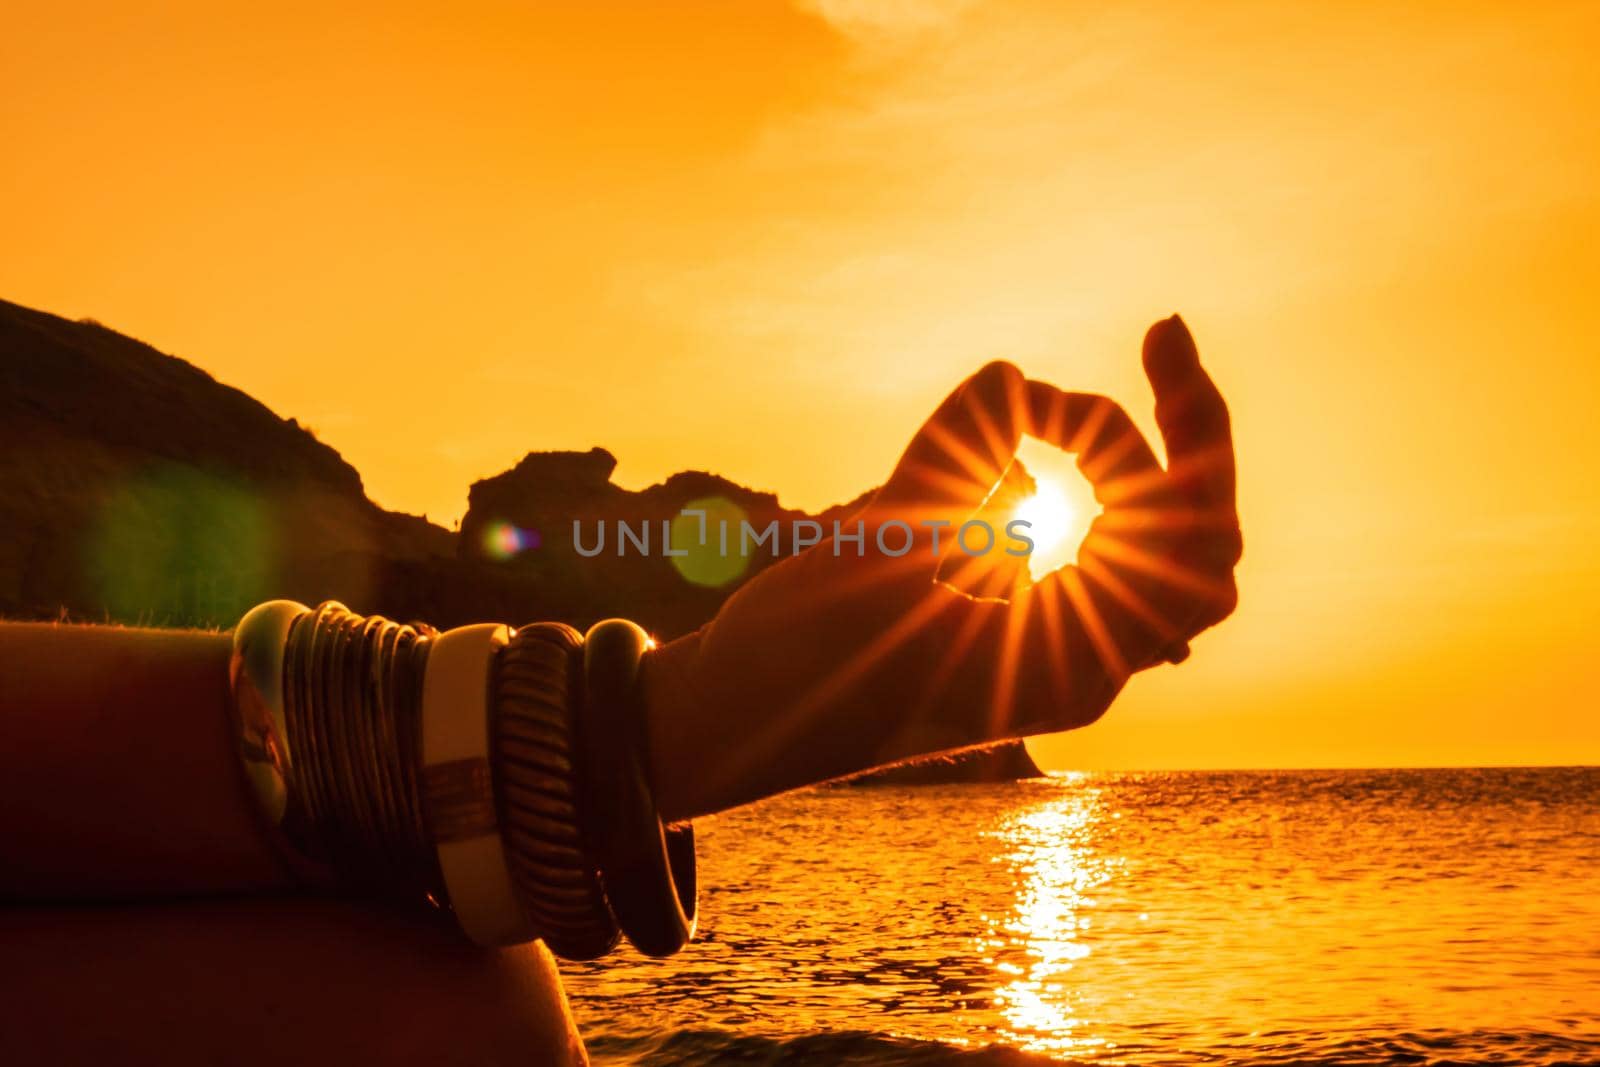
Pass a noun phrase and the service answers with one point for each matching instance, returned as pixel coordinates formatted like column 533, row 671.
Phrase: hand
column 847, row 657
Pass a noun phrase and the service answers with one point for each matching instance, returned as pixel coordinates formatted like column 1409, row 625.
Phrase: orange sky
column 765, row 238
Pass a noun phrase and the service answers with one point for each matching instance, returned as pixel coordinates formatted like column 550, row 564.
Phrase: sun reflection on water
column 1037, row 947
column 1189, row 919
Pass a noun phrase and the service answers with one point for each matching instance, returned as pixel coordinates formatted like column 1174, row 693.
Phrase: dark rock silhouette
column 547, row 493
column 136, row 488
column 1007, row 763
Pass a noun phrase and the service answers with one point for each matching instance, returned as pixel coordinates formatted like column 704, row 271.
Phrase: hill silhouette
column 136, row 488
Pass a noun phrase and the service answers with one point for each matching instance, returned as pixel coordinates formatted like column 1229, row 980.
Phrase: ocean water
column 1352, row 917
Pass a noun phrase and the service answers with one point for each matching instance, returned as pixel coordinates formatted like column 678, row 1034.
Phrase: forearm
column 118, row 769
column 784, row 689
column 713, row 747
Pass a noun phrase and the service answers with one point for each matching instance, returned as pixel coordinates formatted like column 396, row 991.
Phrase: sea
column 1293, row 917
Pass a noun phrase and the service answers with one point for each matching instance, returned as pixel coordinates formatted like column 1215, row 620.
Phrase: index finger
column 1192, row 416
column 964, row 447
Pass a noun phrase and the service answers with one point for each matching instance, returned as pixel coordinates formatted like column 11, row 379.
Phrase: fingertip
column 1181, row 334
column 998, row 372
column 996, row 397
column 1169, row 347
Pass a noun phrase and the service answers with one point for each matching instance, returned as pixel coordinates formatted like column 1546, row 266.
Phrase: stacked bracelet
column 458, row 786
column 536, row 774
column 499, row 773
column 327, row 707
column 647, row 868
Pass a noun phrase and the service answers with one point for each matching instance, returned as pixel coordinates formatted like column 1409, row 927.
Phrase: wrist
column 456, row 768
column 677, row 740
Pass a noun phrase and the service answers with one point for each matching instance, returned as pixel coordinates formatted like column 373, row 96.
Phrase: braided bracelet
column 445, row 767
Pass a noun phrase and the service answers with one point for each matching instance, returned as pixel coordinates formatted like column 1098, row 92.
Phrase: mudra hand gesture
column 833, row 661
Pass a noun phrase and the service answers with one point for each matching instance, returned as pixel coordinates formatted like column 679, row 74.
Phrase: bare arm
column 117, row 769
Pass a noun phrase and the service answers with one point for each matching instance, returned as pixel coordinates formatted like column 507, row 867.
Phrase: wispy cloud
column 876, row 19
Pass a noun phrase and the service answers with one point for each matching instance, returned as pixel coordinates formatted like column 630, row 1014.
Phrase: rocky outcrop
column 550, row 499
column 135, row 487
column 1001, row 763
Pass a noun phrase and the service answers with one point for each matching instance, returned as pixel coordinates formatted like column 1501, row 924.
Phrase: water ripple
column 1352, row 917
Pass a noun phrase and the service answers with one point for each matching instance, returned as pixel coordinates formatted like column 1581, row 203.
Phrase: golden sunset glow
column 765, row 238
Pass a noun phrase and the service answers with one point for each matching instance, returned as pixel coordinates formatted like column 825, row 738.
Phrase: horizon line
column 1298, row 770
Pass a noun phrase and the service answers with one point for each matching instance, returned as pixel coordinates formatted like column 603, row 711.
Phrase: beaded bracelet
column 443, row 767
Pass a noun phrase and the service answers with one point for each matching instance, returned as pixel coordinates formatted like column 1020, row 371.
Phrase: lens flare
column 708, row 534
column 503, row 541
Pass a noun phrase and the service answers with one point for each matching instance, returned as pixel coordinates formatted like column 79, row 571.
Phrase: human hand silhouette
column 829, row 663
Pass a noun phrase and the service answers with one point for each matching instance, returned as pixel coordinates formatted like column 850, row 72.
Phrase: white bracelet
column 458, row 785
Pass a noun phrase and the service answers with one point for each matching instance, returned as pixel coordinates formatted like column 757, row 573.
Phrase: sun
column 1049, row 514
column 1050, row 517
column 1059, row 512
